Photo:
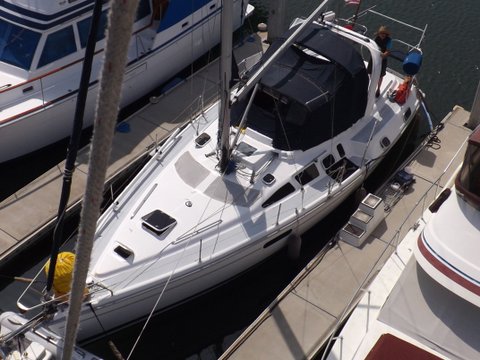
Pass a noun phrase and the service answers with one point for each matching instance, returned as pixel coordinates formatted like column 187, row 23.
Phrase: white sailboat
column 424, row 303
column 304, row 132
column 42, row 45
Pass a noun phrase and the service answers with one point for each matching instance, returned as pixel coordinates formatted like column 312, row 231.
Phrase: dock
column 30, row 213
column 300, row 321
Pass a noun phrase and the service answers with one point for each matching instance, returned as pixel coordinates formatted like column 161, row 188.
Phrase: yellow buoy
column 63, row 273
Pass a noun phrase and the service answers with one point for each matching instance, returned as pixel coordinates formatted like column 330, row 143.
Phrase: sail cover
column 314, row 91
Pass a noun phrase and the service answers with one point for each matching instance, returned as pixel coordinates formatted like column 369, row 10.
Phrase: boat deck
column 306, row 313
column 27, row 215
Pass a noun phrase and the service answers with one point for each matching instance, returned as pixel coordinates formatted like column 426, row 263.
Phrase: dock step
column 363, row 221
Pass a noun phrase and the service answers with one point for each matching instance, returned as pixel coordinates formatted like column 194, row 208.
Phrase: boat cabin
column 467, row 182
column 33, row 39
column 317, row 89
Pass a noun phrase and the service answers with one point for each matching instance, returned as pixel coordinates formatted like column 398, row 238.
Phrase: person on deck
column 384, row 42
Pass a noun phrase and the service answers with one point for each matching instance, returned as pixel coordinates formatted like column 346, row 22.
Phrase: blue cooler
column 412, row 62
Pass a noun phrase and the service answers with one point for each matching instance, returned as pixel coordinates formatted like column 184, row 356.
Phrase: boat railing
column 422, row 31
column 42, row 91
column 353, row 24
column 406, row 46
column 37, row 287
column 348, row 23
column 395, row 239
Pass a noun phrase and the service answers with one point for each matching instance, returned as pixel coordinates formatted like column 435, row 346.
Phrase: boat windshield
column 468, row 180
column 17, row 45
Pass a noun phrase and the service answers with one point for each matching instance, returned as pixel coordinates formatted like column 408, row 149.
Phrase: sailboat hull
column 315, row 131
column 206, row 272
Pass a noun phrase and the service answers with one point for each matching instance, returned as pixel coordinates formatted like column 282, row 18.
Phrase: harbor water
column 204, row 327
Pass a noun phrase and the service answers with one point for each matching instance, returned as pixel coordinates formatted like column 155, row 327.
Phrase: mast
column 355, row 17
column 223, row 143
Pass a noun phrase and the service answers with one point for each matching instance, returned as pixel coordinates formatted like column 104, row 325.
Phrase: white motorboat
column 34, row 342
column 446, row 252
column 43, row 44
column 306, row 129
column 424, row 303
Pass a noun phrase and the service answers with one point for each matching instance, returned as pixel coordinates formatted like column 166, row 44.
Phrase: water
column 203, row 328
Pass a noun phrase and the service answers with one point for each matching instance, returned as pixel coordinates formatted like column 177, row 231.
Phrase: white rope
column 120, row 24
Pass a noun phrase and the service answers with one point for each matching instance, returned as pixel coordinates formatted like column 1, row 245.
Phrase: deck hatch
column 158, row 222
column 123, row 251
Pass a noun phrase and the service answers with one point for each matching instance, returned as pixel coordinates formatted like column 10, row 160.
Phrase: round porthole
column 385, row 142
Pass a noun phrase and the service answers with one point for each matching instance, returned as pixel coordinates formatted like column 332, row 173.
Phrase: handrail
column 145, row 198
column 168, row 144
column 92, row 287
column 423, row 31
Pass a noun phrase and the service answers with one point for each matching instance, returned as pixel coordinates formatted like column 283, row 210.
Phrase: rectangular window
column 58, row 45
column 84, row 28
column 17, row 45
column 307, row 175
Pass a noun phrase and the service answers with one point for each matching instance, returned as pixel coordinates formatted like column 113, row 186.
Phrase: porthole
column 385, row 142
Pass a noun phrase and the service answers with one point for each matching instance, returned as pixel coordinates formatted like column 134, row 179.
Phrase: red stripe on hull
column 445, row 270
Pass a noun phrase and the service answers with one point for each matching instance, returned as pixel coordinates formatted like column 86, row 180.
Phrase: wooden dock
column 28, row 214
column 302, row 318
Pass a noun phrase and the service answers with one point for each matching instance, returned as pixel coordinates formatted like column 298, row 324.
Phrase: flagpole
column 359, row 2
column 356, row 12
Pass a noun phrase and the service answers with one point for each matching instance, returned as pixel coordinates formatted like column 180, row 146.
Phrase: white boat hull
column 206, row 275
